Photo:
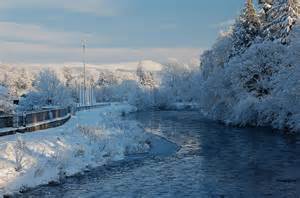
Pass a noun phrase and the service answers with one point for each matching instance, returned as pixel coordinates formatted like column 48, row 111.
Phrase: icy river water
column 212, row 160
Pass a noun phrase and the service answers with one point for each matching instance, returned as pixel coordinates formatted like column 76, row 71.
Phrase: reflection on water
column 214, row 161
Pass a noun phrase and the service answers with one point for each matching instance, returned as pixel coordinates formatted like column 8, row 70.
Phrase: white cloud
column 18, row 52
column 36, row 34
column 97, row 7
column 27, row 43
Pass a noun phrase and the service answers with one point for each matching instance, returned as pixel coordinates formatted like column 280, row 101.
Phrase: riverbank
column 90, row 139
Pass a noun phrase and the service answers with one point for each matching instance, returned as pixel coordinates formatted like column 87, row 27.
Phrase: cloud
column 29, row 33
column 96, row 7
column 18, row 52
column 28, row 43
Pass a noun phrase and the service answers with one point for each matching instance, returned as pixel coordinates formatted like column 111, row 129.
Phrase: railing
column 31, row 118
column 38, row 120
column 83, row 108
column 6, row 121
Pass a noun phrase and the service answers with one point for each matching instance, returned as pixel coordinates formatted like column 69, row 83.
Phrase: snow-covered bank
column 91, row 138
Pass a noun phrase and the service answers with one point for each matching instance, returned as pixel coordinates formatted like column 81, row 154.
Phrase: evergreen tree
column 246, row 29
column 265, row 6
column 281, row 18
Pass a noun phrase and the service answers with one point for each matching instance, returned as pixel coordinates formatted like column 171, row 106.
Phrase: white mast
column 84, row 71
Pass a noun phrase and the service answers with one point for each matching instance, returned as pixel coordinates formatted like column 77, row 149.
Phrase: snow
column 5, row 103
column 259, row 86
column 3, row 90
column 90, row 139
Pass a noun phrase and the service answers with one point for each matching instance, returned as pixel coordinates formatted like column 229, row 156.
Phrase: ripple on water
column 213, row 161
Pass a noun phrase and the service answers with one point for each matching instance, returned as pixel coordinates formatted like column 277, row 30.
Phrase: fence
column 6, row 121
column 32, row 118
column 83, row 108
column 33, row 121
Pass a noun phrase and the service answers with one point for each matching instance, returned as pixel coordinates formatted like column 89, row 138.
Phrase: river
column 210, row 160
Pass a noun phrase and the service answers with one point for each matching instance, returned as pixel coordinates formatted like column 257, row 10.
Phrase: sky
column 115, row 31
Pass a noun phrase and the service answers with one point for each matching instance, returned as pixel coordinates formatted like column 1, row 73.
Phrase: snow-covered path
column 89, row 139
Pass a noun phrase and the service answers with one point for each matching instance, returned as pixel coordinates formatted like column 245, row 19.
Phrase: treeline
column 251, row 75
column 60, row 87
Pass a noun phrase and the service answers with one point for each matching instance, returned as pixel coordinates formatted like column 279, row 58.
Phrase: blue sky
column 50, row 31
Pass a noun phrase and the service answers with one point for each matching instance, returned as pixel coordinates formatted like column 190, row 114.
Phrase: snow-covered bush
column 92, row 133
column 19, row 149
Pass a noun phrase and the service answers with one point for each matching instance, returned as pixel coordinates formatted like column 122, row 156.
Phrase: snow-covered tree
column 254, row 70
column 259, row 86
column 281, row 18
column 106, row 78
column 6, row 105
column 145, row 78
column 177, row 80
column 68, row 76
column 48, row 90
column 19, row 82
column 246, row 28
column 238, row 92
column 265, row 5
column 218, row 56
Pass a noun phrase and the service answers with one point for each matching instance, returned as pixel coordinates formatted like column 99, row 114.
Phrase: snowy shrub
column 79, row 151
column 19, row 149
column 92, row 133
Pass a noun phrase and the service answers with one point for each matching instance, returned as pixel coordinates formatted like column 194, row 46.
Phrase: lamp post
column 84, row 71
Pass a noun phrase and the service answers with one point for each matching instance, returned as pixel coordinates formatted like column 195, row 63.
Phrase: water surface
column 213, row 161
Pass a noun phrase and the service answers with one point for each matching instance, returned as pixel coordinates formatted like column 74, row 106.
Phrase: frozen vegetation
column 251, row 75
column 90, row 139
column 5, row 105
